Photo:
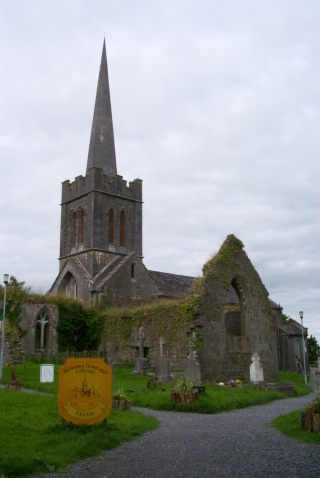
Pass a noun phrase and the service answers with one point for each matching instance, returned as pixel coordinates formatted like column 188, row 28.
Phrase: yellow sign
column 85, row 395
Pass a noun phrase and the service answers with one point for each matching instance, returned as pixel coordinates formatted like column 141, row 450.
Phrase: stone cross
column 256, row 369
column 142, row 337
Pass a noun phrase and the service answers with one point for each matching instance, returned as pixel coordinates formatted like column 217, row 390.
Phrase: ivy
column 78, row 328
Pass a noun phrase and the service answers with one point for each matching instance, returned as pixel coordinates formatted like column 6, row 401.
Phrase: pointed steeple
column 101, row 149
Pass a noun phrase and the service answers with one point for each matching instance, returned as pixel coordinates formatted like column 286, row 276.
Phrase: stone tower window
column 122, row 228
column 133, row 266
column 81, row 226
column 73, row 228
column 111, row 226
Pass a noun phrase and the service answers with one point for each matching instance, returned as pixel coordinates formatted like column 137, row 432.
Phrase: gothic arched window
column 111, row 226
column 233, row 310
column 42, row 330
column 122, row 228
column 81, row 226
column 73, row 228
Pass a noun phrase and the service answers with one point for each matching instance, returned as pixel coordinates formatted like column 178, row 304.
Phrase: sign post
column 85, row 395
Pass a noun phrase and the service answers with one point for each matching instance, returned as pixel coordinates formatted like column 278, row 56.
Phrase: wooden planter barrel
column 311, row 421
column 121, row 404
column 181, row 397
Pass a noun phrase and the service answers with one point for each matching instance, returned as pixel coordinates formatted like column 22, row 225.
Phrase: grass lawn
column 297, row 380
column 33, row 438
column 214, row 400
column 290, row 425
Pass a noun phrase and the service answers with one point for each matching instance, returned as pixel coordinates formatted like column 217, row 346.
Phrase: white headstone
column 256, row 370
column 46, row 373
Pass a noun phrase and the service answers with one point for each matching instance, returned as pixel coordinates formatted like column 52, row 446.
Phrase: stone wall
column 172, row 320
column 130, row 284
column 96, row 194
column 225, row 354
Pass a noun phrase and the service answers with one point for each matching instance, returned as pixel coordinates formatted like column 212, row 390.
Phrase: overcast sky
column 216, row 107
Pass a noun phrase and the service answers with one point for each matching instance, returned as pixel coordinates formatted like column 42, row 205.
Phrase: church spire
column 101, row 149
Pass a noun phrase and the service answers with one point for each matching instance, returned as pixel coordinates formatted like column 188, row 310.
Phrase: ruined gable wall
column 224, row 356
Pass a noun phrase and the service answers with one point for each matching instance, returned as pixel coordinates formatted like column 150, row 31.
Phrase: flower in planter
column 220, row 384
column 184, row 391
column 238, row 382
column 119, row 395
column 120, row 401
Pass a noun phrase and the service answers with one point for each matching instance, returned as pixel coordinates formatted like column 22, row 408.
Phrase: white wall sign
column 46, row 373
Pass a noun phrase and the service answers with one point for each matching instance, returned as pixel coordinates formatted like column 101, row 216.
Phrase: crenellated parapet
column 96, row 180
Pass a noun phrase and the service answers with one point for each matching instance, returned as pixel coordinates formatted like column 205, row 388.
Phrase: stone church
column 101, row 262
column 101, row 222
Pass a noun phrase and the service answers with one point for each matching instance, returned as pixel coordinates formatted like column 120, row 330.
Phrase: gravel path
column 238, row 443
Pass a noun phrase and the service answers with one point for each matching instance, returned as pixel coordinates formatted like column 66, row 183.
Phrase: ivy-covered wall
column 224, row 354
column 172, row 320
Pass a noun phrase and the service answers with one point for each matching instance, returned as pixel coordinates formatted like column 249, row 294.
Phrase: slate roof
column 293, row 328
column 178, row 286
column 172, row 285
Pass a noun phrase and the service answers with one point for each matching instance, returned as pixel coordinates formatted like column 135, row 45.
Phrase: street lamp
column 303, row 348
column 5, row 280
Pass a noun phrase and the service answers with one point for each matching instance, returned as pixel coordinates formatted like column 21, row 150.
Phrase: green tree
column 17, row 294
column 313, row 349
column 78, row 328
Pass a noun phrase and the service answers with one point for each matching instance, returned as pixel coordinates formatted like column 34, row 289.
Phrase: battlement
column 95, row 179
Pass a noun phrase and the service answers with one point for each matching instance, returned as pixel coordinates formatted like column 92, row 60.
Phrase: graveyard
column 46, row 443
column 114, row 348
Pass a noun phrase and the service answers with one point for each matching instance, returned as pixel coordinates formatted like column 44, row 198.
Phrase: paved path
column 238, row 443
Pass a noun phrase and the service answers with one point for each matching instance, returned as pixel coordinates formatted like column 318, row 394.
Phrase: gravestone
column 141, row 364
column 162, row 365
column 192, row 367
column 256, row 369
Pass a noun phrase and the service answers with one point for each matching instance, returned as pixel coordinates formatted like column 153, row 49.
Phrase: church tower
column 101, row 214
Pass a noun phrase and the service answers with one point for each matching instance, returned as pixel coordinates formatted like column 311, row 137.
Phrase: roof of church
column 172, row 285
column 101, row 149
column 176, row 286
column 293, row 328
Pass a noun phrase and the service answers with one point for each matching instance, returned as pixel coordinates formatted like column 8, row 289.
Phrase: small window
column 111, row 226
column 133, row 266
column 73, row 228
column 81, row 227
column 122, row 228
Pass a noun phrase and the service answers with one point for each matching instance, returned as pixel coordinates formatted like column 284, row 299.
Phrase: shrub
column 78, row 328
